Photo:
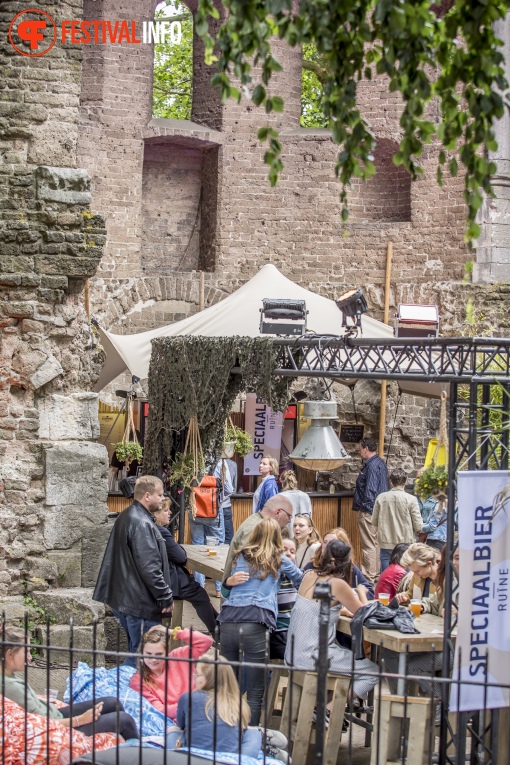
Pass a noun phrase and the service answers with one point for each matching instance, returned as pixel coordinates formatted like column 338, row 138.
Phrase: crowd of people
column 275, row 561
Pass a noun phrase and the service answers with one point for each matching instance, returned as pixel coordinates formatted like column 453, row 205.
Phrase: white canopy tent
column 239, row 314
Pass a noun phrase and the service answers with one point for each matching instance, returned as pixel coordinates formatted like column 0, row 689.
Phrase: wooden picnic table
column 428, row 639
column 211, row 565
column 199, row 560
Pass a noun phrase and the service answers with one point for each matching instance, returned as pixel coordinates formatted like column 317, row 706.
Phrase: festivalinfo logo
column 33, row 32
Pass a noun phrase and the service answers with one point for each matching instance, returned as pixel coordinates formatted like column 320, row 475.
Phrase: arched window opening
column 173, row 61
column 313, row 80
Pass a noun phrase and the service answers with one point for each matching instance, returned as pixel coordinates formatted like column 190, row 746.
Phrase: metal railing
column 481, row 736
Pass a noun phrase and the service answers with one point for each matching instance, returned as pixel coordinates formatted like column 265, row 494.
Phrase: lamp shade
column 320, row 448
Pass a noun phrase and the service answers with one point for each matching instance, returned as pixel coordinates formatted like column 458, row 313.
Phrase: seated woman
column 106, row 715
column 423, row 561
column 250, row 609
column 216, row 716
column 183, row 584
column 393, row 574
column 44, row 740
column 357, row 576
column 307, row 538
column 161, row 680
column 426, row 663
column 303, row 637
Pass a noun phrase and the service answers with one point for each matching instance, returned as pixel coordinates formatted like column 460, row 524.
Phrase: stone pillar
column 493, row 245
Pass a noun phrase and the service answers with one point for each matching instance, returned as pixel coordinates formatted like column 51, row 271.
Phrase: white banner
column 265, row 428
column 482, row 650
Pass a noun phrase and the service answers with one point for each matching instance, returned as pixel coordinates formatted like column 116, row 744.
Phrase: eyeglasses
column 289, row 515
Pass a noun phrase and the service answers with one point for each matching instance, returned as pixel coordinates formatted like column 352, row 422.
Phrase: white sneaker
column 278, row 754
column 274, row 739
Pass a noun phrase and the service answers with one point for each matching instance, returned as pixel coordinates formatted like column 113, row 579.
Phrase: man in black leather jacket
column 134, row 578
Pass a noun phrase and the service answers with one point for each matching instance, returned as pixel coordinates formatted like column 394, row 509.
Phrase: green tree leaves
column 449, row 66
column 173, row 67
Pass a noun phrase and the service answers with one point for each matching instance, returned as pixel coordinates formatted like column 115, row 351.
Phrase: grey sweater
column 15, row 690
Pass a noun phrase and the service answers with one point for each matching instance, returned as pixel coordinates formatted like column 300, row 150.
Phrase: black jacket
column 134, row 577
column 375, row 616
column 179, row 576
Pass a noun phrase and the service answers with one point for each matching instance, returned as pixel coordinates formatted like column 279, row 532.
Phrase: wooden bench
column 298, row 710
column 397, row 718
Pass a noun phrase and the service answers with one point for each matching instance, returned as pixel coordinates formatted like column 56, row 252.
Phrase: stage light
column 416, row 321
column 353, row 305
column 283, row 317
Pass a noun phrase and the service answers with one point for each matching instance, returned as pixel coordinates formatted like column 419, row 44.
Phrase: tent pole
column 201, row 295
column 387, row 284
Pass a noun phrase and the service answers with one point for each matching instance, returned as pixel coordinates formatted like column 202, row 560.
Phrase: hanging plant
column 433, row 481
column 241, row 440
column 191, row 377
column 127, row 451
column 184, row 471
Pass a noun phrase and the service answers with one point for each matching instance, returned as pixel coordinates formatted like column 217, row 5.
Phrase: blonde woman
column 268, row 469
column 300, row 500
column 307, row 538
column 250, row 609
column 423, row 562
column 216, row 703
column 216, row 717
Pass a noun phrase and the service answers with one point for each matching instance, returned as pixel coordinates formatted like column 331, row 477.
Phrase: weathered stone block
column 63, row 184
column 69, row 468
column 48, row 370
column 69, row 417
column 93, row 545
column 82, row 640
column 116, row 639
column 68, row 565
column 74, row 602
column 40, row 568
column 15, row 610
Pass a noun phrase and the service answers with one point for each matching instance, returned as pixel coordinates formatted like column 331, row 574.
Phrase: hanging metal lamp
column 320, row 448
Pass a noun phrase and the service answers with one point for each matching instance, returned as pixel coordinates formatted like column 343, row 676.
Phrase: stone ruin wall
column 174, row 198
column 52, row 470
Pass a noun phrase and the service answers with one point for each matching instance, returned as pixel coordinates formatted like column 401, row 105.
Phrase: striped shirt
column 286, row 597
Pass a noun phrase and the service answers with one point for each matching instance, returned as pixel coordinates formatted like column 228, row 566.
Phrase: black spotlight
column 283, row 317
column 353, row 305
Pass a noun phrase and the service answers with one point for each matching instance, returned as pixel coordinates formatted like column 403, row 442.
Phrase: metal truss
column 478, row 373
column 444, row 359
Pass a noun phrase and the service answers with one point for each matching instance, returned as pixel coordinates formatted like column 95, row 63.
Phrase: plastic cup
column 384, row 598
column 415, row 607
column 52, row 694
column 211, row 541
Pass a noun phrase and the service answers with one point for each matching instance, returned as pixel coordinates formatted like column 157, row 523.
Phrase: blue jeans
column 199, row 531
column 251, row 742
column 229, row 524
column 132, row 626
column 385, row 556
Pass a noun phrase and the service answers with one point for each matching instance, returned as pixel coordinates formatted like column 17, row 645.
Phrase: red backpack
column 206, row 498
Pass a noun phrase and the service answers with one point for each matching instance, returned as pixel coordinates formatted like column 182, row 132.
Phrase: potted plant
column 432, row 482
column 127, row 451
column 236, row 440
